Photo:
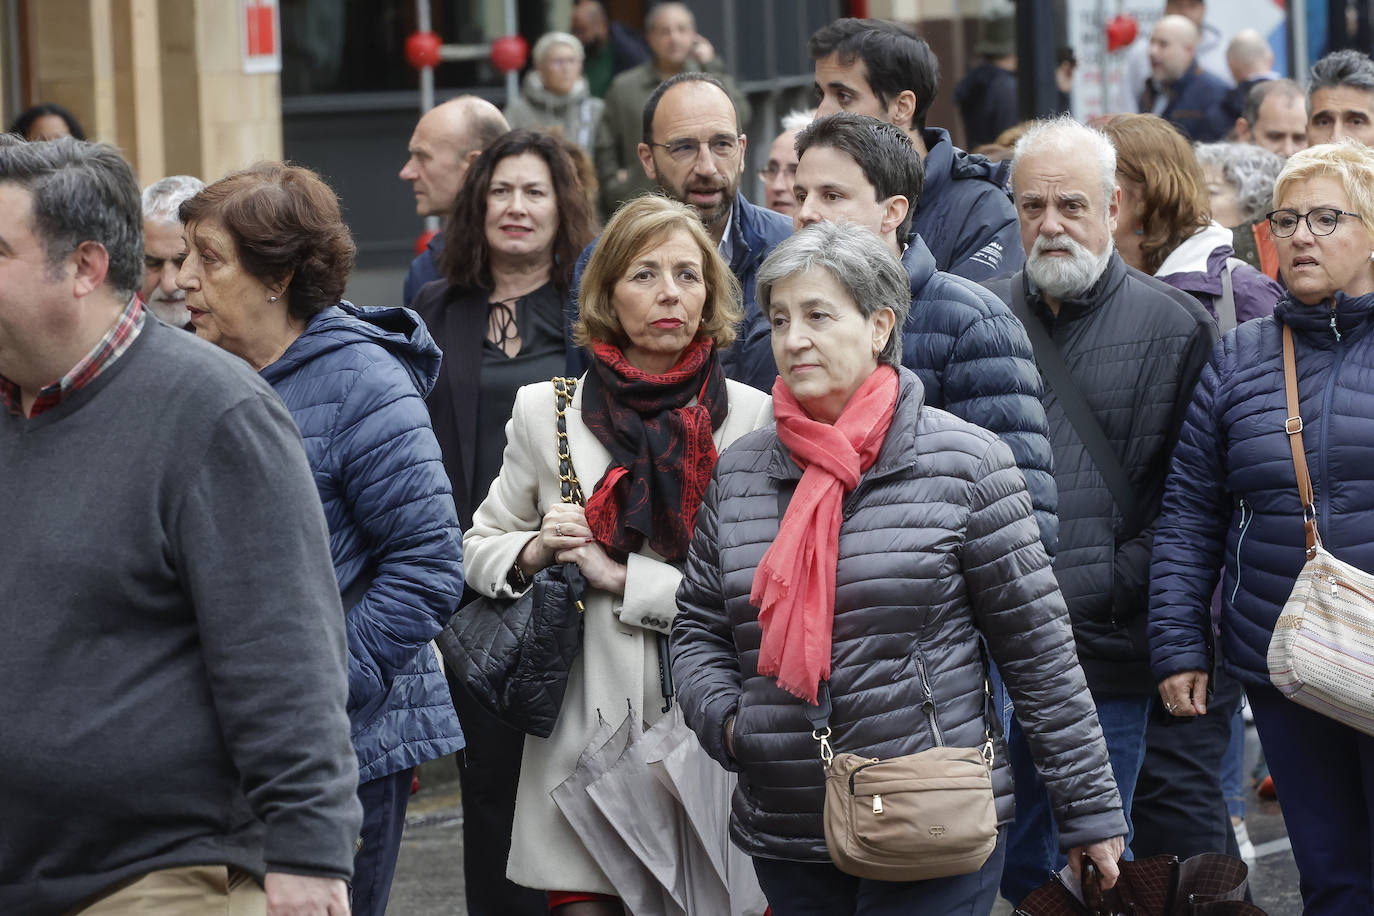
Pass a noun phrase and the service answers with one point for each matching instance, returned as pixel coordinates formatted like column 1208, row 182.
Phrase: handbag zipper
column 1350, row 586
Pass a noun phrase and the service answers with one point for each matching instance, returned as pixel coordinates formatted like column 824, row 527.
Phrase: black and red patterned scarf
column 662, row 451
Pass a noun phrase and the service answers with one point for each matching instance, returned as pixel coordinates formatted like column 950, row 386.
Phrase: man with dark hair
column 1274, row 117
column 610, row 47
column 173, row 701
column 447, row 140
column 1340, row 98
column 677, row 48
column 693, row 151
column 877, row 68
column 969, row 351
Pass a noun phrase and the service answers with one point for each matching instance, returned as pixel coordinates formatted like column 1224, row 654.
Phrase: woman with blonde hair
column 644, row 427
column 1232, row 512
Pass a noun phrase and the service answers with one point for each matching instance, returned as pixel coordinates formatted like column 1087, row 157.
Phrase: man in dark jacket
column 986, row 96
column 611, row 48
column 1179, row 90
column 174, row 734
column 693, row 150
column 877, row 68
column 1133, row 348
column 969, row 351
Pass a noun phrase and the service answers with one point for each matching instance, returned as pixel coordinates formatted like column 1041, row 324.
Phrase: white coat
column 619, row 659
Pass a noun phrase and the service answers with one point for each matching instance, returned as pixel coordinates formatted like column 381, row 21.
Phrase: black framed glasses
column 685, row 149
column 1320, row 221
column 773, row 170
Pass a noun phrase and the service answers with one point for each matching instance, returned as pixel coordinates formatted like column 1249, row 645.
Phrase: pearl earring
column 271, row 298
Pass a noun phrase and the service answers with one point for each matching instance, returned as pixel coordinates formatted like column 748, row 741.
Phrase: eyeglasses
column 685, row 149
column 1320, row 221
column 768, row 174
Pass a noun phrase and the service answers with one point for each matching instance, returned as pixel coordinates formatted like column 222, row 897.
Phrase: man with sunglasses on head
column 693, row 151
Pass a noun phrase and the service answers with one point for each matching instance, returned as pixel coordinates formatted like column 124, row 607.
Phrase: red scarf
column 794, row 586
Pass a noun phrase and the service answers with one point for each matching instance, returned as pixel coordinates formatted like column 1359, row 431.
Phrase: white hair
column 163, row 199
column 549, row 40
column 1069, row 138
column 797, row 119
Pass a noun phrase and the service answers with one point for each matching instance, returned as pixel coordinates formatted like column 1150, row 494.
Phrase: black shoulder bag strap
column 1056, row 373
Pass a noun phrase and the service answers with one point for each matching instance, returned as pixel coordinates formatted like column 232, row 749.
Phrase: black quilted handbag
column 514, row 655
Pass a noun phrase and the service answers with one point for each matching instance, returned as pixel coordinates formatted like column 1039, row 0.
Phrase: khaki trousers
column 189, row 891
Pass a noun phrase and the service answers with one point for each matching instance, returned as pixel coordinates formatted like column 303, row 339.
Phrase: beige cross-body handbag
column 1322, row 652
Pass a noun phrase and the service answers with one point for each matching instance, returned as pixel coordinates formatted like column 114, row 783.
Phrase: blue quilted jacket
column 355, row 383
column 1231, row 505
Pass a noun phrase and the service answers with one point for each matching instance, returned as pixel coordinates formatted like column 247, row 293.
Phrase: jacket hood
column 1351, row 314
column 397, row 330
column 1198, row 254
column 540, row 97
column 946, row 162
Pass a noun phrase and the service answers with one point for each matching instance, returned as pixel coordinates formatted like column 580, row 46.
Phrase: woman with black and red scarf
column 644, row 428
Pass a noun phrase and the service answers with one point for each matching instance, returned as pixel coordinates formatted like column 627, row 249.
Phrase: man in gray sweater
column 172, row 678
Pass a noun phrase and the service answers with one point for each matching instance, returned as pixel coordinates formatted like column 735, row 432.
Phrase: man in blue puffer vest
column 877, row 68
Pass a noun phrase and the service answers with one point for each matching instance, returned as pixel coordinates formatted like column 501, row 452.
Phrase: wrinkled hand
column 1185, row 693
column 597, row 566
column 565, row 537
column 1104, row 854
column 302, row 895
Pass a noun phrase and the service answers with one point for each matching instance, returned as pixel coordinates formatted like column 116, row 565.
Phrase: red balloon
column 422, row 50
column 1121, row 32
column 422, row 242
column 508, row 53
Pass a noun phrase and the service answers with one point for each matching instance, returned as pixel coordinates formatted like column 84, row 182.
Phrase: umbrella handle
column 665, row 672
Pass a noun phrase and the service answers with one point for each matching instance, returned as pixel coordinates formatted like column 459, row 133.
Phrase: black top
column 473, row 397
column 539, row 320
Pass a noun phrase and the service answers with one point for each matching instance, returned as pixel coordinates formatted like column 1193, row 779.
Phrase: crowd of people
column 945, row 451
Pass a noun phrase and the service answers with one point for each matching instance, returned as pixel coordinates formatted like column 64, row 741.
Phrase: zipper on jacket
column 929, row 705
column 1323, row 495
column 1247, row 515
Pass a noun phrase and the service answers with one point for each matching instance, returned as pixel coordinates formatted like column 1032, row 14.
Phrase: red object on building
column 262, row 37
column 423, row 240
column 1121, row 32
column 508, row 53
column 422, row 50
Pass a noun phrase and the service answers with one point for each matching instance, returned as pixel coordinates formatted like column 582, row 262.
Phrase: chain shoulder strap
column 569, row 486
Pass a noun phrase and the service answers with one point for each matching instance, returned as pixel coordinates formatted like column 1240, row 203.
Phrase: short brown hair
column 641, row 223
column 285, row 222
column 1154, row 155
column 466, row 261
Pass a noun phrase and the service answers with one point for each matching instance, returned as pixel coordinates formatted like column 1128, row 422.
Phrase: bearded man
column 1132, row 349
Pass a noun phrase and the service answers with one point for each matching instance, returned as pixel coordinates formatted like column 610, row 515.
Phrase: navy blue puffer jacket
column 355, row 383
column 1232, row 494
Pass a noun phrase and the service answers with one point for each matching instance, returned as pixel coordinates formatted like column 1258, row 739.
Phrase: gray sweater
column 172, row 678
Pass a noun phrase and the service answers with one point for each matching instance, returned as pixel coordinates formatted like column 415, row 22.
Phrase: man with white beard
column 164, row 248
column 1120, row 353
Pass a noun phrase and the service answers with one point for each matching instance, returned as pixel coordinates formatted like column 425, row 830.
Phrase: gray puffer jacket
column 937, row 544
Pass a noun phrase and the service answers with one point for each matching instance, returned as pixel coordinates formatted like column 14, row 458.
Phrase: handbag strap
column 1226, row 302
column 818, row 714
column 569, row 486
column 1293, row 426
column 1056, row 372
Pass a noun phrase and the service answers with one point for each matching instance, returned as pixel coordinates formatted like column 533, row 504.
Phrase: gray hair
column 797, row 119
column 1341, row 68
column 82, row 192
column 1254, row 99
column 549, row 40
column 1251, row 170
column 1068, row 137
column 858, row 259
column 163, row 199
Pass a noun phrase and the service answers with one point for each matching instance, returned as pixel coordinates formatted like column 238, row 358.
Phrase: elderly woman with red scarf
column 863, row 546
column 645, row 425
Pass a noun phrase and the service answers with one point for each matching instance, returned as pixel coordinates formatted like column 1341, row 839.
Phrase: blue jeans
column 1033, row 839
column 821, row 889
column 1233, row 766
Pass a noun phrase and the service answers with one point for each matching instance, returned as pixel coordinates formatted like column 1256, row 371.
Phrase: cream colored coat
column 619, row 660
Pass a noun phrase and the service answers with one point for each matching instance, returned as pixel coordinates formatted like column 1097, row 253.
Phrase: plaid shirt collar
column 109, row 348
